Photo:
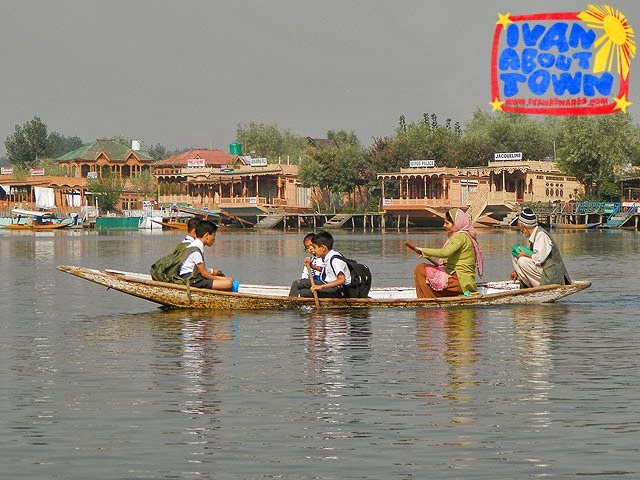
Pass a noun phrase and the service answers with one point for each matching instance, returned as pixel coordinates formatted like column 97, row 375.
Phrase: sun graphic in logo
column 616, row 44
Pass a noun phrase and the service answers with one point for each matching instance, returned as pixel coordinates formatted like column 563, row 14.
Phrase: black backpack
column 360, row 278
column 167, row 268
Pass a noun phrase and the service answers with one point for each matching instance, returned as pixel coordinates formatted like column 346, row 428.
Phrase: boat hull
column 179, row 296
column 578, row 226
column 172, row 225
column 37, row 228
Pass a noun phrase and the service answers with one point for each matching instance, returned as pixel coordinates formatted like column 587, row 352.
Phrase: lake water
column 99, row 385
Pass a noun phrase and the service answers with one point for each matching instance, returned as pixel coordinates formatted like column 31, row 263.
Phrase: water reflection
column 332, row 341
column 337, row 345
column 30, row 387
column 188, row 373
column 535, row 327
column 188, row 342
column 450, row 335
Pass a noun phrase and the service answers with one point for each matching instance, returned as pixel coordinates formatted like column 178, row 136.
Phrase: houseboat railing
column 608, row 208
column 242, row 201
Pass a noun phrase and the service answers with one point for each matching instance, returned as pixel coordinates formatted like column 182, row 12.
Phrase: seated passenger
column 194, row 267
column 335, row 276
column 542, row 267
column 454, row 274
column 311, row 262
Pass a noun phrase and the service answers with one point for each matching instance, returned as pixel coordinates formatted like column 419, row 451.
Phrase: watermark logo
column 571, row 63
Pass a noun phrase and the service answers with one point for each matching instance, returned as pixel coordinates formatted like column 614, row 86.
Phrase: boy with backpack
column 311, row 262
column 335, row 274
column 191, row 230
column 193, row 268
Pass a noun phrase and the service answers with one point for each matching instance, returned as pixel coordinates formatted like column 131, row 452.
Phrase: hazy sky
column 185, row 73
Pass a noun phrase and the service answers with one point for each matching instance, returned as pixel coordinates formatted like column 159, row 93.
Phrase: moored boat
column 178, row 222
column 173, row 224
column 575, row 226
column 34, row 220
column 266, row 297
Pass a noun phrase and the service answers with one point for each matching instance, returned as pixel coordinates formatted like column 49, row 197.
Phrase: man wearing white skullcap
column 542, row 267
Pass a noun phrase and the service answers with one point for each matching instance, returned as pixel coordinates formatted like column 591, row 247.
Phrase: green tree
column 593, row 146
column 426, row 139
column 509, row 132
column 30, row 144
column 389, row 155
column 337, row 171
column 108, row 188
column 260, row 140
column 293, row 148
column 27, row 144
column 343, row 138
column 58, row 144
column 146, row 184
column 158, row 152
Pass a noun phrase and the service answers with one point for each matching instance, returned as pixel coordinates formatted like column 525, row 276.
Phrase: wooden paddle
column 313, row 284
column 412, row 247
column 419, row 252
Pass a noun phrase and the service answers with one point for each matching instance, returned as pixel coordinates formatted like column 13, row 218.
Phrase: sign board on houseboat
column 196, row 163
column 257, row 162
column 6, row 171
column 37, row 171
column 508, row 156
column 422, row 163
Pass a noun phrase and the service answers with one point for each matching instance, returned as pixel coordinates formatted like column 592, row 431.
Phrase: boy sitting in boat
column 311, row 262
column 191, row 230
column 194, row 268
column 335, row 276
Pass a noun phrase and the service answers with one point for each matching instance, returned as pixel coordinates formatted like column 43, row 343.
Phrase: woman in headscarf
column 454, row 273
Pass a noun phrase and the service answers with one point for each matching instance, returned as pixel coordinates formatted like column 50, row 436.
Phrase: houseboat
column 420, row 194
column 241, row 188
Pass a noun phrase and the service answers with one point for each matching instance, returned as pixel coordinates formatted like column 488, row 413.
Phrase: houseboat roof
column 116, row 152
column 212, row 158
column 30, row 213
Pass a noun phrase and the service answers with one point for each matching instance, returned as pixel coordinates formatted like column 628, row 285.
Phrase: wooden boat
column 180, row 223
column 265, row 297
column 575, row 226
column 176, row 225
column 34, row 220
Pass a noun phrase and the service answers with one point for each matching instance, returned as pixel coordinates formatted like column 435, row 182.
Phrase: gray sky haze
column 186, row 73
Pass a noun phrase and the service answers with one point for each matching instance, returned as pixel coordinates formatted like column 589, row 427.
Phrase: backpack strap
column 339, row 257
column 187, row 280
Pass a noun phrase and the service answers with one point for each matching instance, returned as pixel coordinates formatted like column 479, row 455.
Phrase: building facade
column 423, row 193
column 66, row 189
column 238, row 185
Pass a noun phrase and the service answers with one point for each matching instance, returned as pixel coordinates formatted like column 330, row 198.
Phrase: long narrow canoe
column 35, row 220
column 172, row 224
column 37, row 227
column 575, row 226
column 265, row 297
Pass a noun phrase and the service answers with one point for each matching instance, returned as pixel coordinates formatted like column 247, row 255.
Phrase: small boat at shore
column 178, row 222
column 34, row 220
column 172, row 224
column 267, row 297
column 575, row 226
